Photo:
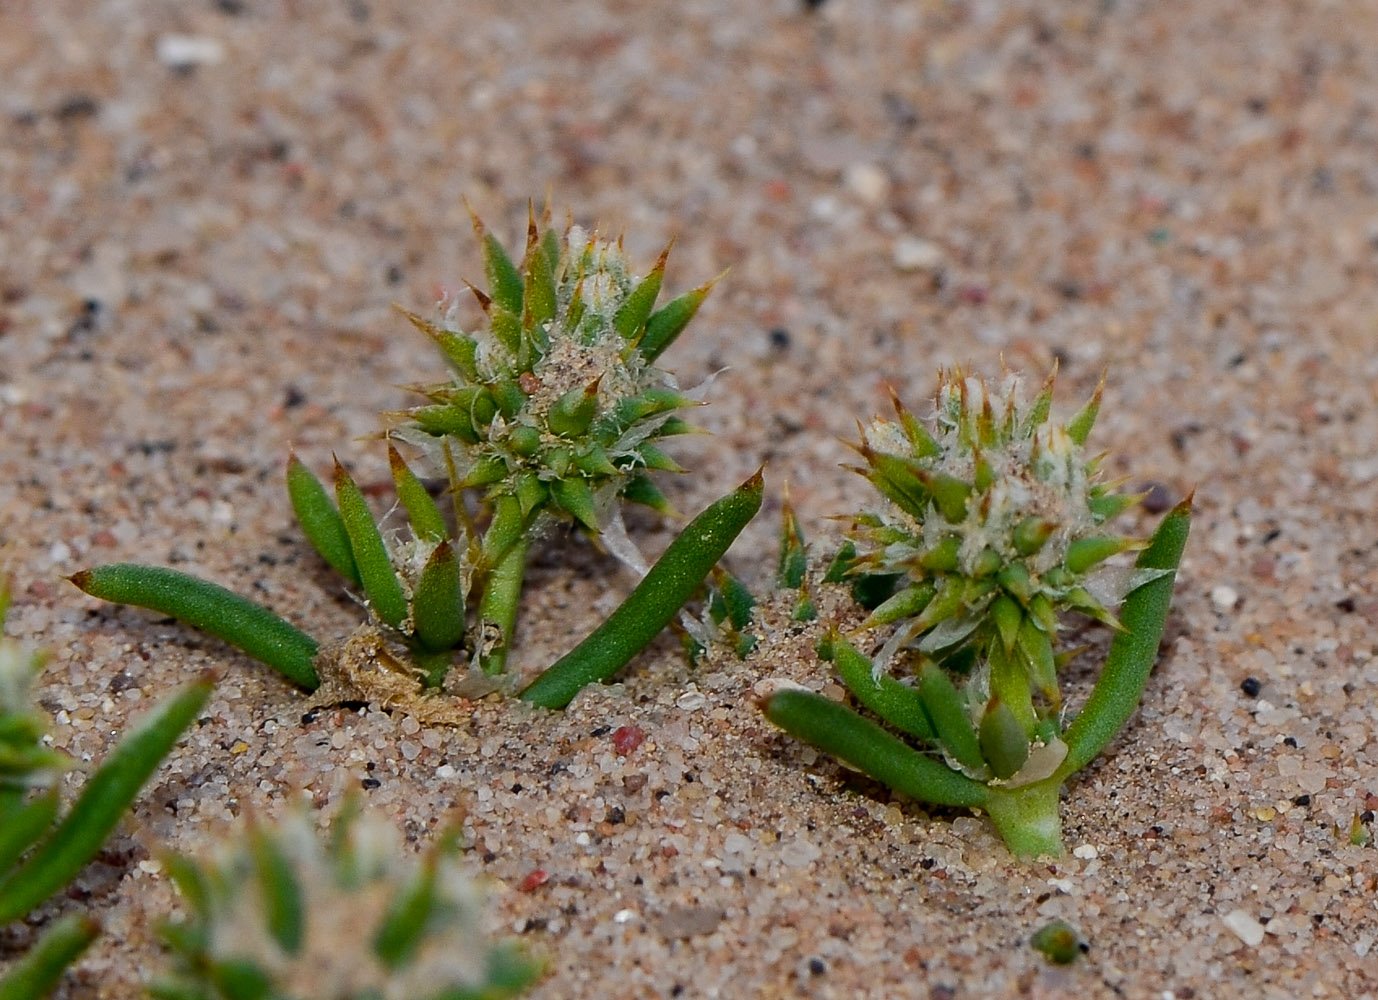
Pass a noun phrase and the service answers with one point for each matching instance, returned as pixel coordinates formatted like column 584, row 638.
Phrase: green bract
column 995, row 527
column 288, row 915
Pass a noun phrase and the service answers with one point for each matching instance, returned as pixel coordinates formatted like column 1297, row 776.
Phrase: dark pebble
column 1251, row 686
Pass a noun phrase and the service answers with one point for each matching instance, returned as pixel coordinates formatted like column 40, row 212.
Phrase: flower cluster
column 995, row 528
column 555, row 404
column 288, row 914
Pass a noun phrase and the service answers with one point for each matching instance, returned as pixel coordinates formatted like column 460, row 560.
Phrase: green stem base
column 1028, row 819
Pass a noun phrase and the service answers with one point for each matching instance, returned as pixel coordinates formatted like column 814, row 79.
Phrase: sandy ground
column 199, row 246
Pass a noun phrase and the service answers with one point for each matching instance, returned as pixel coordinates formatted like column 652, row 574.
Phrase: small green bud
column 1058, row 942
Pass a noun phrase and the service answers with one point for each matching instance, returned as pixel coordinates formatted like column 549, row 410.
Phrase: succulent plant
column 41, row 853
column 555, row 407
column 727, row 618
column 995, row 528
column 285, row 914
column 552, row 412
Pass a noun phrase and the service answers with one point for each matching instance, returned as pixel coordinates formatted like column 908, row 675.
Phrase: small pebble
column 1243, row 925
column 868, row 182
column 187, row 51
column 626, row 739
column 1224, row 597
column 1251, row 686
column 913, row 254
column 691, row 701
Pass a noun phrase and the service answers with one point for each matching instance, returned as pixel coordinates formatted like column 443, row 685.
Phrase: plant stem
column 498, row 606
column 649, row 608
column 1027, row 818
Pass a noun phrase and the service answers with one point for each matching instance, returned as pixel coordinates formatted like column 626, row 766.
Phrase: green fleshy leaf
column 1010, row 682
column 404, row 926
column 901, row 479
column 486, row 471
column 1031, row 533
column 1079, row 427
column 665, row 324
column 593, row 462
column 905, row 603
column 575, row 496
column 104, row 799
column 283, row 899
column 539, row 283
column 947, row 712
column 673, row 579
column 841, row 564
column 636, row 308
column 837, row 730
column 39, row 970
column 24, row 822
column 1106, row 506
column 1083, row 553
column 211, row 609
column 949, row 495
column 640, row 489
column 376, row 575
column 1004, row 743
column 1134, row 650
column 507, row 328
column 943, row 557
column 319, row 519
column 897, row 704
column 572, row 413
column 531, row 494
column 426, row 520
column 508, row 397
column 438, row 603
column 793, row 564
column 446, row 420
column 737, row 600
column 1007, row 615
column 655, row 459
column 505, row 283
column 460, row 351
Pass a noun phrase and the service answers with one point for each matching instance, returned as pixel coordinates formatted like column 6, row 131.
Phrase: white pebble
column 184, row 51
column 1245, row 927
column 913, row 254
column 1224, row 597
column 691, row 701
column 800, row 853
column 624, row 916
column 1087, row 852
column 868, row 182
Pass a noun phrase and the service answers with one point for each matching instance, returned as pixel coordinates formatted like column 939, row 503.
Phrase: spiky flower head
column 288, row 915
column 25, row 762
column 555, row 404
column 996, row 525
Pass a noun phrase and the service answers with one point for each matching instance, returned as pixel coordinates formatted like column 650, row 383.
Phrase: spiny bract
column 995, row 524
column 555, row 405
column 287, row 914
